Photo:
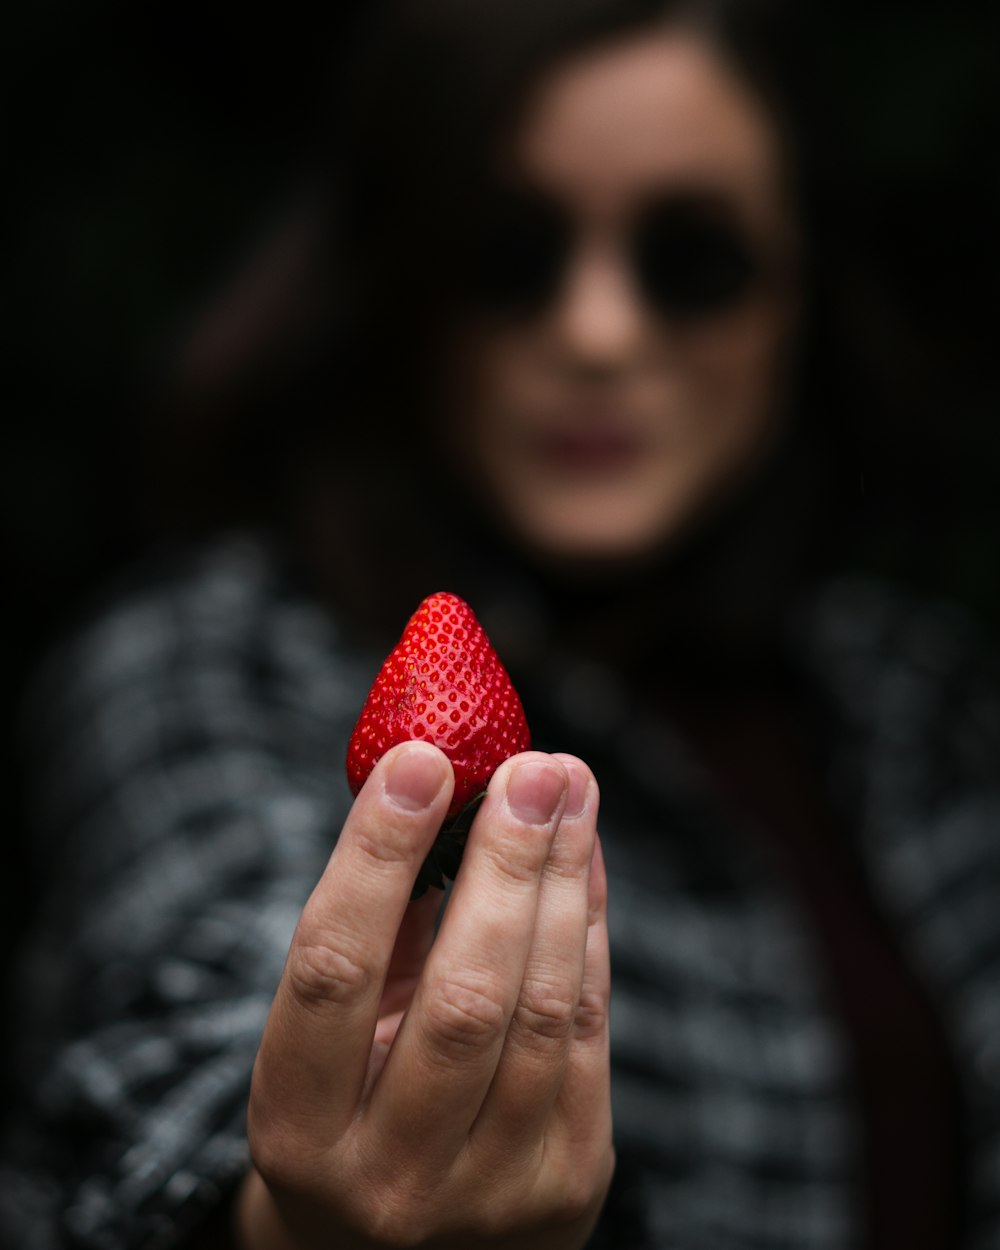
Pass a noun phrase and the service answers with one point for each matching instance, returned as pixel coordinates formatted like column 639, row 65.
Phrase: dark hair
column 430, row 91
column 435, row 87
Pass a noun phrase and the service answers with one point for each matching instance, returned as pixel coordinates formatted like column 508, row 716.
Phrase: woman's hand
column 448, row 1092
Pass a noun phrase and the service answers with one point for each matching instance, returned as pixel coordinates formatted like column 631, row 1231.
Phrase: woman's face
column 619, row 408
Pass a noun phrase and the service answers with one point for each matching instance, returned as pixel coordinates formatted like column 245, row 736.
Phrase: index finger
column 314, row 1052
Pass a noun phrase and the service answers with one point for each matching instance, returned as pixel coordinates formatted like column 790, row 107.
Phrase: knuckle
column 544, row 1011
column 578, row 1184
column 394, row 1223
column 568, row 862
column 572, row 852
column 274, row 1151
column 391, row 1212
column 318, row 974
column 462, row 1013
column 578, row 1199
column 391, row 843
column 518, row 860
column 591, row 1015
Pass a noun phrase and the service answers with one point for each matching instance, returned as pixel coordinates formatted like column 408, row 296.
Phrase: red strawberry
column 444, row 683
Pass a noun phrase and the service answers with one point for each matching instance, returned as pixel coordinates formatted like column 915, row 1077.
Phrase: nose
column 598, row 318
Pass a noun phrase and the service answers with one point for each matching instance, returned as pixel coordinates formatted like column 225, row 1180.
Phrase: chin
column 611, row 537
column 586, row 553
column 612, row 525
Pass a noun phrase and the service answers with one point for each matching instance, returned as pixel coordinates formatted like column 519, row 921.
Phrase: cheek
column 735, row 382
column 712, row 399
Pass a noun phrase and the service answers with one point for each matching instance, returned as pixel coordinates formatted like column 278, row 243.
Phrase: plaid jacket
column 189, row 788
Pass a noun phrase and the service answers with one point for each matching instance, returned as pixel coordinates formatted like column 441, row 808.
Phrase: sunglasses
column 690, row 260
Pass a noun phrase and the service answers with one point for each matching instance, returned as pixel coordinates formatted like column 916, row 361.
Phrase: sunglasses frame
column 692, row 260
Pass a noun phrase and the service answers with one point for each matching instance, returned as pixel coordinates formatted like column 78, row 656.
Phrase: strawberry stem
column 445, row 856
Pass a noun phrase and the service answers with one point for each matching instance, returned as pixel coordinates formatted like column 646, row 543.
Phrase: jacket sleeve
column 187, row 792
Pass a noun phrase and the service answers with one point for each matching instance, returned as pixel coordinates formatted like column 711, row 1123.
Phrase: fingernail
column 534, row 792
column 414, row 777
column 576, row 797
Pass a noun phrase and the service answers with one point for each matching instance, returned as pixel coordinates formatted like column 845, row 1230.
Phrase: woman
column 595, row 406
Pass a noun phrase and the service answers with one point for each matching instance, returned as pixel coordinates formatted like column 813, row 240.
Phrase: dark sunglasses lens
column 691, row 264
column 517, row 256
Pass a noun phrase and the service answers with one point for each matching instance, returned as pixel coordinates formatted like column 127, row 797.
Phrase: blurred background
column 161, row 153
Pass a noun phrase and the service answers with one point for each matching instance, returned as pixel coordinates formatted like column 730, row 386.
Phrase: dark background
column 154, row 145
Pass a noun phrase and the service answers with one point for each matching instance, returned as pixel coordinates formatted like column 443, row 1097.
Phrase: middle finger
column 444, row 1057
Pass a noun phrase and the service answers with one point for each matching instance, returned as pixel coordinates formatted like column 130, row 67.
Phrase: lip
column 590, row 449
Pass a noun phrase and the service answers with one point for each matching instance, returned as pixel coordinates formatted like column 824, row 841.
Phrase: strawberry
column 442, row 683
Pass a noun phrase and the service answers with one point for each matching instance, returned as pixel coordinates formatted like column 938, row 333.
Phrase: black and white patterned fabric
column 190, row 787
